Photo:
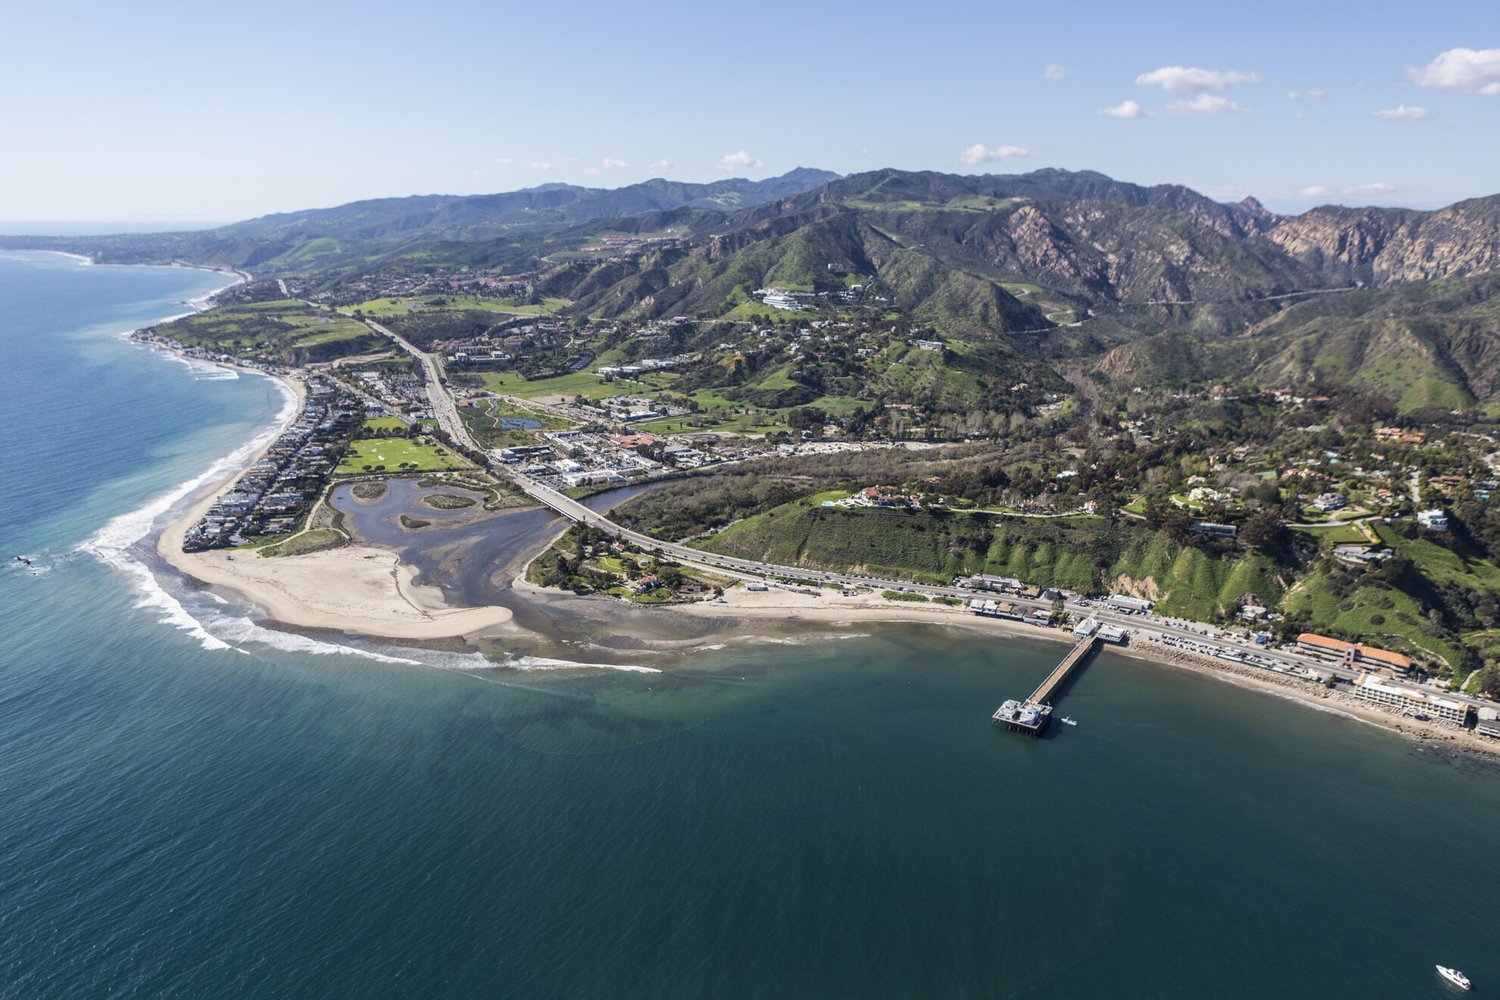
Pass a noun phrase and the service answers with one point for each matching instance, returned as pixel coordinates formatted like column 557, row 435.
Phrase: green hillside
column 1085, row 554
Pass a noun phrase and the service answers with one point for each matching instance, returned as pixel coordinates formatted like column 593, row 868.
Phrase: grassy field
column 385, row 424
column 584, row 384
column 1442, row 565
column 396, row 454
column 716, row 411
column 315, row 540
column 283, row 329
column 376, row 308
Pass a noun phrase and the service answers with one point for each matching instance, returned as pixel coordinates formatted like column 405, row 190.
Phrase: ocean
column 192, row 805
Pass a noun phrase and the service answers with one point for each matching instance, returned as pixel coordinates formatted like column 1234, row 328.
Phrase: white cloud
column 1054, row 72
column 1471, row 71
column 659, row 167
column 1314, row 191
column 1125, row 109
column 505, row 161
column 1306, row 95
column 609, row 164
column 979, row 153
column 542, row 165
column 1204, row 104
column 737, row 161
column 1192, row 80
column 1377, row 187
column 1403, row 113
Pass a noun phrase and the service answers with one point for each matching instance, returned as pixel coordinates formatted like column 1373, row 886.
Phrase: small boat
column 1454, row 976
column 1067, row 721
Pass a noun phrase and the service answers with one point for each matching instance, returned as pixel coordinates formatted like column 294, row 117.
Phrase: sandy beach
column 365, row 590
column 356, row 589
column 831, row 608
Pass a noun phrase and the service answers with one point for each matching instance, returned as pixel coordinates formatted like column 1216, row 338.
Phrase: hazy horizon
column 177, row 112
column 103, row 227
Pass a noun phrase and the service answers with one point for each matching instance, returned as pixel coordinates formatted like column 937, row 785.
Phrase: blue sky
column 215, row 112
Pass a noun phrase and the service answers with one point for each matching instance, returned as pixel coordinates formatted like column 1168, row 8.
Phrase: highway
column 438, row 396
column 1141, row 626
column 1172, row 632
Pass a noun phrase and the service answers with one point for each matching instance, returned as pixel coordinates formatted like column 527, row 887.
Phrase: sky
column 189, row 113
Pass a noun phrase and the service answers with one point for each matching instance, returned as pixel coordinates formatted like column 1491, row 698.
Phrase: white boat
column 1067, row 721
column 1454, row 976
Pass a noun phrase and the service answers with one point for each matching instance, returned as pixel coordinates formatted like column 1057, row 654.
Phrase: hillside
column 1085, row 554
column 1022, row 274
column 302, row 242
column 1381, row 246
column 1418, row 345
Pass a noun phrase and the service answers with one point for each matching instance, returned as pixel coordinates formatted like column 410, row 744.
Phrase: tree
column 1264, row 532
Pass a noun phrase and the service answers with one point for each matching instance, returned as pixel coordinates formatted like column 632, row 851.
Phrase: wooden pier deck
column 1045, row 690
column 1036, row 707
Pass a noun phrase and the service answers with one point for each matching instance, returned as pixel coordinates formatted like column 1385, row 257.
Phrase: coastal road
column 438, row 396
column 1167, row 631
column 1171, row 632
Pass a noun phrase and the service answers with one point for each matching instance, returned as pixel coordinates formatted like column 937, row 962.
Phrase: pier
column 1032, row 715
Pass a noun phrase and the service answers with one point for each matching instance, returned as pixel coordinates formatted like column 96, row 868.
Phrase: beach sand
column 831, row 608
column 364, row 590
column 357, row 589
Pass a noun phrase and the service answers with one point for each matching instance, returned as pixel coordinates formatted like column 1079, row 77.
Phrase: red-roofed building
column 1351, row 653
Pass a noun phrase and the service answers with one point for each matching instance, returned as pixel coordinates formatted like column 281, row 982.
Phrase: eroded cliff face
column 1041, row 247
column 1387, row 245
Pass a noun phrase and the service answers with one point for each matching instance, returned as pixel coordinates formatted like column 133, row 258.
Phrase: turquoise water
column 212, row 809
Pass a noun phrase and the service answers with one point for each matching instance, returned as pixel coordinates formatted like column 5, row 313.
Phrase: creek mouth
column 473, row 555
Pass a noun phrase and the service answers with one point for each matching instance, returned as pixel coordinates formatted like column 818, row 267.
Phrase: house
column 1433, row 520
column 1360, row 555
column 1215, row 530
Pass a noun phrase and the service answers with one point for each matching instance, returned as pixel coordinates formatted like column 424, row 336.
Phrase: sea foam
column 115, row 543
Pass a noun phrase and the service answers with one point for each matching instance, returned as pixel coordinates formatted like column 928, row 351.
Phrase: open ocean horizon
column 193, row 804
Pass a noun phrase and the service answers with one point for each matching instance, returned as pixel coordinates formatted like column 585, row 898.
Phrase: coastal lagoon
column 195, row 804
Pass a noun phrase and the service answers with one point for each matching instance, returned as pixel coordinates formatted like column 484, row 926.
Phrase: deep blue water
column 193, row 811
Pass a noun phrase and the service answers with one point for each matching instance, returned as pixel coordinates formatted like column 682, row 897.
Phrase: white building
column 1433, row 520
column 1411, row 701
column 1135, row 605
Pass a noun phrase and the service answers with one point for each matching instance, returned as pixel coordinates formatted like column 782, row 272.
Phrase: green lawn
column 584, row 384
column 397, row 454
column 385, row 424
column 1339, row 534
